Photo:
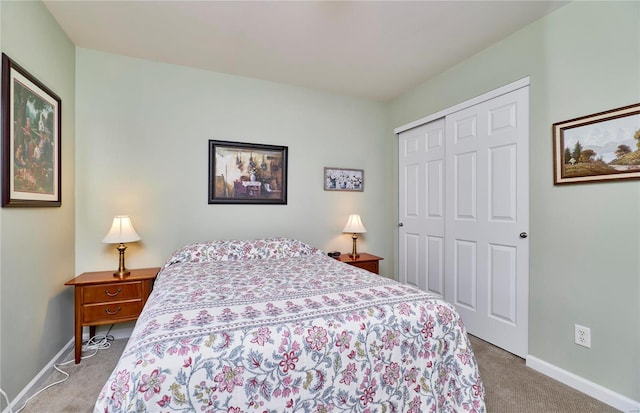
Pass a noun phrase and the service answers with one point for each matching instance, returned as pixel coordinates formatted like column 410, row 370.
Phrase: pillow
column 227, row 250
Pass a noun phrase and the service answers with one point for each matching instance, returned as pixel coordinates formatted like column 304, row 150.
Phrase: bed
column 275, row 325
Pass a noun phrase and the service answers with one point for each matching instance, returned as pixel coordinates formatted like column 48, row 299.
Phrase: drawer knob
column 110, row 294
column 106, row 310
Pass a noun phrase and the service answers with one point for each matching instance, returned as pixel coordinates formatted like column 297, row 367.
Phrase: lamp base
column 122, row 271
column 354, row 254
column 122, row 274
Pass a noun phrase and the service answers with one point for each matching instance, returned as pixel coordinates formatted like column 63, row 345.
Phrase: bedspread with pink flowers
column 275, row 325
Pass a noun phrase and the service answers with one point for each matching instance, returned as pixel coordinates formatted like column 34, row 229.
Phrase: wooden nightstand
column 101, row 298
column 365, row 261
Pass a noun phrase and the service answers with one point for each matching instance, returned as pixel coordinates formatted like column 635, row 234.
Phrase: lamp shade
column 121, row 231
column 354, row 225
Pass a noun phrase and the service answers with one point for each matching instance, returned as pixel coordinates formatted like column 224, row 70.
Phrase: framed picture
column 247, row 173
column 342, row 179
column 599, row 147
column 30, row 140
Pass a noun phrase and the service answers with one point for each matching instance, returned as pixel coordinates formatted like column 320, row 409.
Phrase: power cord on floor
column 7, row 399
column 95, row 343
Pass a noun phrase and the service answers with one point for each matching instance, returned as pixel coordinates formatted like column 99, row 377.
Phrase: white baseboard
column 39, row 380
column 594, row 390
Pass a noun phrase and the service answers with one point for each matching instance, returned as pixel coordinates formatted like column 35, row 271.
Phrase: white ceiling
column 370, row 49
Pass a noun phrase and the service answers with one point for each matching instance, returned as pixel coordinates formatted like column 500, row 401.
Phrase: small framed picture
column 604, row 146
column 343, row 179
column 247, row 173
column 30, row 140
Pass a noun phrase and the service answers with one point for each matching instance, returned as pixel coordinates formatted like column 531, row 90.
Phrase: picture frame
column 31, row 154
column 601, row 147
column 343, row 179
column 247, row 173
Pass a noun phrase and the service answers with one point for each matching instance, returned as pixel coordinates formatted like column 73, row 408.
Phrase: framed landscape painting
column 30, row 140
column 601, row 147
column 247, row 173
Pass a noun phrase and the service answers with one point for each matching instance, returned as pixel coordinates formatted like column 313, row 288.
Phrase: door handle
column 523, row 235
column 401, row 224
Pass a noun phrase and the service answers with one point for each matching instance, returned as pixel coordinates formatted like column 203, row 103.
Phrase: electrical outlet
column 582, row 336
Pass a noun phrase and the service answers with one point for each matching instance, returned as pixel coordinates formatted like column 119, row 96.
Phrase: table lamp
column 121, row 231
column 355, row 227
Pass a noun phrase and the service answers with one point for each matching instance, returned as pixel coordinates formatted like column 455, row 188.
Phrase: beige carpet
column 511, row 386
column 80, row 391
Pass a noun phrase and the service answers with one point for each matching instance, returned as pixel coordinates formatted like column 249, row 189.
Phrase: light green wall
column 37, row 244
column 142, row 150
column 584, row 266
column 142, row 134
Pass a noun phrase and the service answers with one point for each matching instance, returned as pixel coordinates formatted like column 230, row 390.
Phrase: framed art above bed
column 247, row 173
column 343, row 179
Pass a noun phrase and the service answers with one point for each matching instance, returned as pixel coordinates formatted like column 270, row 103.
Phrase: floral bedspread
column 277, row 326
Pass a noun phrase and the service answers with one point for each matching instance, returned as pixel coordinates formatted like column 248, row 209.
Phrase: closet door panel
column 421, row 206
column 502, row 183
column 412, row 258
column 502, row 283
column 465, row 186
column 486, row 260
column 464, row 271
column 435, row 264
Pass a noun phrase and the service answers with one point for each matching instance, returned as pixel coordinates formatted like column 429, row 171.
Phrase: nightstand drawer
column 371, row 266
column 112, row 311
column 112, row 292
column 365, row 261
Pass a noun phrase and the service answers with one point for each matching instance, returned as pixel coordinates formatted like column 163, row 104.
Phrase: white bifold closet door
column 464, row 215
